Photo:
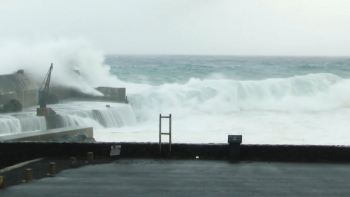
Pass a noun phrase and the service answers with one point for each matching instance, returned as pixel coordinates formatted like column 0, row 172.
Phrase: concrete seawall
column 12, row 152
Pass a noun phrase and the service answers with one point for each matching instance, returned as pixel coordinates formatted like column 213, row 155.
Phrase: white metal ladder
column 160, row 133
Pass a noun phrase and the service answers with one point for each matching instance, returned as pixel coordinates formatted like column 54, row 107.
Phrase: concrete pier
column 172, row 178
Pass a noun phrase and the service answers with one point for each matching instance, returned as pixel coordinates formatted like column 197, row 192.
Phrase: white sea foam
column 309, row 109
column 71, row 113
column 313, row 92
column 95, row 114
column 12, row 124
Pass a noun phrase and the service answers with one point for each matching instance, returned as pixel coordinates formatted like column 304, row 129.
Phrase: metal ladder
column 160, row 133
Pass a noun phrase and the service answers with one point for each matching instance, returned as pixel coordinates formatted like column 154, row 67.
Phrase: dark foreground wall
column 14, row 152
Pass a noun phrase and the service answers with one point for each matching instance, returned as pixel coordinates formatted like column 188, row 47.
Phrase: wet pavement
column 138, row 177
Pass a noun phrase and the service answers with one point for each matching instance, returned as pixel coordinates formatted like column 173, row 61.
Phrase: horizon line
column 325, row 56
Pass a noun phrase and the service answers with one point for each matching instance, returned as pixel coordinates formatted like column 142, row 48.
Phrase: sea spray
column 66, row 56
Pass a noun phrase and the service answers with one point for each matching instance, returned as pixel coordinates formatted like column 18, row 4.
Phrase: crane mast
column 44, row 89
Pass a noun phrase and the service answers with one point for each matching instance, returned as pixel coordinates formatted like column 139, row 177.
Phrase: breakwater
column 24, row 89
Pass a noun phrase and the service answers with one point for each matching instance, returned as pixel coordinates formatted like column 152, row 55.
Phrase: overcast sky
column 197, row 27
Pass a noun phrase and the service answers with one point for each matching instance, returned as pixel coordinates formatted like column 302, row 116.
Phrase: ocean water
column 268, row 100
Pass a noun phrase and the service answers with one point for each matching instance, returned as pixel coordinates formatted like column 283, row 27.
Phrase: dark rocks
column 79, row 137
column 21, row 71
column 52, row 99
column 12, row 106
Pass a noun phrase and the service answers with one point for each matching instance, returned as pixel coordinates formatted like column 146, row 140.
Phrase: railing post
column 169, row 134
column 160, row 135
column 28, row 176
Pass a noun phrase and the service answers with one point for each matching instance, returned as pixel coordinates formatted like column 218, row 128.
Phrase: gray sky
column 198, row 27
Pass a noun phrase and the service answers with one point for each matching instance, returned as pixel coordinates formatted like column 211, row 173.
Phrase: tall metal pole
column 160, row 134
column 169, row 134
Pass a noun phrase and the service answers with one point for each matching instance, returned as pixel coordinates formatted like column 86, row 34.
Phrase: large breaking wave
column 315, row 92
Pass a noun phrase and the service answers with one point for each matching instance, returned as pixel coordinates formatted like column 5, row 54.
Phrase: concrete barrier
column 115, row 94
column 15, row 152
column 48, row 134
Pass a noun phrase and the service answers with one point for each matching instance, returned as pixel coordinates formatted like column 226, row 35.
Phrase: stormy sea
column 268, row 100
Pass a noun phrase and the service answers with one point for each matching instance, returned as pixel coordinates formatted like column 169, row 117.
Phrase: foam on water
column 9, row 125
column 15, row 123
column 94, row 114
column 310, row 109
column 71, row 113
